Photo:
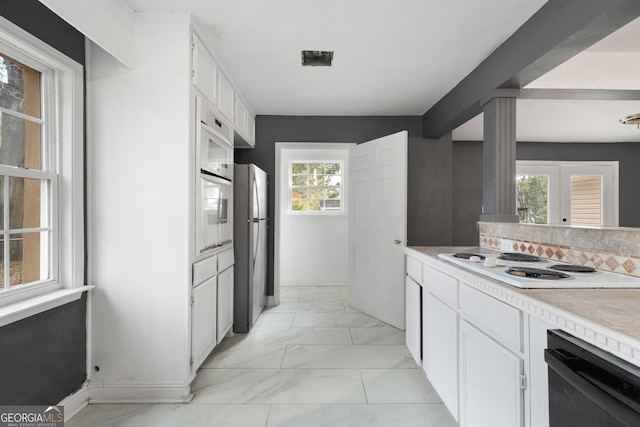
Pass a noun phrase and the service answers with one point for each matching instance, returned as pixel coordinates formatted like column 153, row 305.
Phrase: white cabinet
column 491, row 361
column 245, row 123
column 490, row 382
column 225, row 96
column 413, row 310
column 225, row 302
column 240, row 115
column 204, row 70
column 203, row 320
column 440, row 332
column 440, row 335
column 251, row 128
column 538, row 372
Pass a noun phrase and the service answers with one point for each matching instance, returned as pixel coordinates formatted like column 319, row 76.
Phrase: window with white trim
column 315, row 187
column 25, row 182
column 41, row 168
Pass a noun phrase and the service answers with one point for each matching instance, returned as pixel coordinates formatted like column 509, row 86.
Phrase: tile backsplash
column 608, row 249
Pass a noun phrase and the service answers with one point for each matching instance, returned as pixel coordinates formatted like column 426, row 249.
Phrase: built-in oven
column 589, row 387
column 215, row 148
column 214, row 200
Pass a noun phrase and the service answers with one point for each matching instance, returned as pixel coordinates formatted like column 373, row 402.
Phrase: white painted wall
column 313, row 248
column 108, row 23
column 140, row 185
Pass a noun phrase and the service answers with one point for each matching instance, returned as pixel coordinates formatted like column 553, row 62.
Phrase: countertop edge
column 617, row 343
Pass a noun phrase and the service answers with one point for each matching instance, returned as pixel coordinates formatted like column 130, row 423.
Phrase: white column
column 499, row 158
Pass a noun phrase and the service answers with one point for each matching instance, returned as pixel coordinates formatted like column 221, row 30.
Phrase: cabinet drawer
column 499, row 320
column 204, row 269
column 225, row 260
column 443, row 286
column 414, row 270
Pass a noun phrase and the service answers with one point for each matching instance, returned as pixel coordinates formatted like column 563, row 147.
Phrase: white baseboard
column 139, row 393
column 288, row 281
column 75, row 402
column 131, row 393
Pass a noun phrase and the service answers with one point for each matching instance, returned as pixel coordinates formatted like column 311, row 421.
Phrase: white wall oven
column 214, row 199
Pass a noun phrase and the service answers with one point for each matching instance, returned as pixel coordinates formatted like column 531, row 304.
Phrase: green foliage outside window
column 316, row 186
column 532, row 198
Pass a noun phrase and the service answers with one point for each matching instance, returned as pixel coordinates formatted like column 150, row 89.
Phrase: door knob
column 397, row 242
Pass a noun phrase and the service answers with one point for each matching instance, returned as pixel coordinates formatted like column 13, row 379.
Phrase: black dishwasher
column 589, row 387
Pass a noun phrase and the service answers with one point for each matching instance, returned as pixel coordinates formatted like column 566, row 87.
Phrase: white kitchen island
column 492, row 371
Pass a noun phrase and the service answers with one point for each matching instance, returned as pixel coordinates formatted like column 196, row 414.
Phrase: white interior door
column 378, row 227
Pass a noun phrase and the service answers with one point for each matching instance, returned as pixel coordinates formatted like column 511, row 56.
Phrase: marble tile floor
column 311, row 361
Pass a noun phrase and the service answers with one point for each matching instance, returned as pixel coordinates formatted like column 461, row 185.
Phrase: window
column 41, row 168
column 315, row 187
column 532, row 198
column 579, row 193
column 25, row 185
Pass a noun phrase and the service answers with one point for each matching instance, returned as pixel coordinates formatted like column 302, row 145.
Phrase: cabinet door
column 490, row 392
column 440, row 338
column 225, row 302
column 204, row 70
column 413, row 323
column 240, row 116
column 538, row 376
column 225, row 96
column 203, row 320
column 251, row 128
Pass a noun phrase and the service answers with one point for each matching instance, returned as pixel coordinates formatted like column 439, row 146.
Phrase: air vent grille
column 317, row 58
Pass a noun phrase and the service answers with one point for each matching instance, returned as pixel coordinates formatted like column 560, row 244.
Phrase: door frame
column 280, row 147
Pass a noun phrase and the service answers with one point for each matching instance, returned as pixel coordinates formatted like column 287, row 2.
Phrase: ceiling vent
column 317, row 58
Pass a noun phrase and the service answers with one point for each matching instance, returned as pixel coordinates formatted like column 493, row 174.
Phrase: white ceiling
column 612, row 63
column 392, row 57
column 399, row 57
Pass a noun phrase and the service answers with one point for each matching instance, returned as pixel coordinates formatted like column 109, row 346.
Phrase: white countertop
column 608, row 318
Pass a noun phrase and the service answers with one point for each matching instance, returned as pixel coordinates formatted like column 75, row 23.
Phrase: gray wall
column 468, row 162
column 467, row 196
column 272, row 129
column 44, row 356
column 628, row 154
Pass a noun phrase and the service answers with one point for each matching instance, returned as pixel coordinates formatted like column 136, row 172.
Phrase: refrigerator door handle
column 255, row 220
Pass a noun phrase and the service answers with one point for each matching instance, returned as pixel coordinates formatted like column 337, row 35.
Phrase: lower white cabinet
column 490, row 378
column 413, row 294
column 225, row 302
column 538, row 372
column 440, row 332
column 203, row 320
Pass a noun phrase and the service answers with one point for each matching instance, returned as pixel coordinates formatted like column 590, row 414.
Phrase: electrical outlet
column 506, row 245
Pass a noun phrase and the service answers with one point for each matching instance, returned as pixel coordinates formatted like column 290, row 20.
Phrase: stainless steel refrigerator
column 250, row 245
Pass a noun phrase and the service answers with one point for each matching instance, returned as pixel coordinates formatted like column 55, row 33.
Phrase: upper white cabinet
column 245, row 123
column 225, row 96
column 218, row 89
column 204, row 70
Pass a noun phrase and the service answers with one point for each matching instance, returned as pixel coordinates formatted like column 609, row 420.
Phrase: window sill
column 32, row 306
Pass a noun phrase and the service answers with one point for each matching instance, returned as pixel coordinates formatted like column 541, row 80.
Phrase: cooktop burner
column 467, row 256
column 513, row 256
column 536, row 273
column 573, row 268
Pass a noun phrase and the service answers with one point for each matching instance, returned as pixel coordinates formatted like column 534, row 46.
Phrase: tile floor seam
column 364, row 388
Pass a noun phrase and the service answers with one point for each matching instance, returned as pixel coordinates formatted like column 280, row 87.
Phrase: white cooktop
column 597, row 279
